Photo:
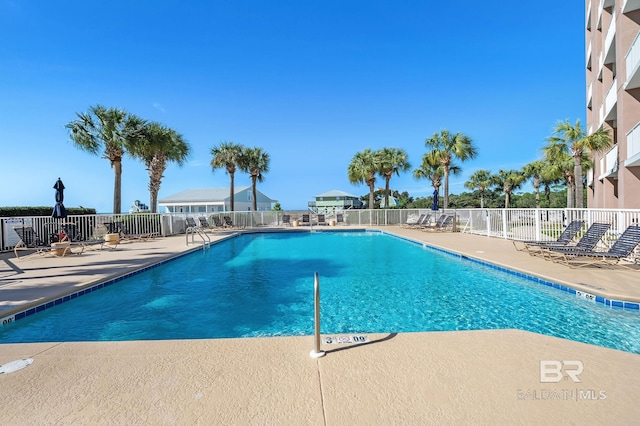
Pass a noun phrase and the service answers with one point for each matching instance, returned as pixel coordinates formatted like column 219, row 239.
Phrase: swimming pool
column 262, row 285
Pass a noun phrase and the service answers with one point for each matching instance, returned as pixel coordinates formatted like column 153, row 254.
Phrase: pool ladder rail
column 316, row 352
column 193, row 231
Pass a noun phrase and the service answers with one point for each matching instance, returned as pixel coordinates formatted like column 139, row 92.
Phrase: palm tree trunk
column 482, row 200
column 571, row 198
column 386, row 191
column 446, row 188
column 577, row 173
column 117, row 186
column 153, row 197
column 231, row 192
column 371, row 198
column 254, row 192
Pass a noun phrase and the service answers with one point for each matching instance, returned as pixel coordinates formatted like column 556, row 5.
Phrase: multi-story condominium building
column 613, row 100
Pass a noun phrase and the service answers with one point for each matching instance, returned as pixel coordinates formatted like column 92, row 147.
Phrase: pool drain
column 16, row 365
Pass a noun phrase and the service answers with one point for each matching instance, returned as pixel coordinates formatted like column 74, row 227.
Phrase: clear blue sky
column 311, row 82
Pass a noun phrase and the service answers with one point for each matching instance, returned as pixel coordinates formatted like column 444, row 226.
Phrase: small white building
column 214, row 200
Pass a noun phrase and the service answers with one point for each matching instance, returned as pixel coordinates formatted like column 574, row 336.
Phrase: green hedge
column 41, row 211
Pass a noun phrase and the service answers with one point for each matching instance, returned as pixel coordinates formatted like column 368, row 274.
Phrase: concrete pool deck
column 481, row 377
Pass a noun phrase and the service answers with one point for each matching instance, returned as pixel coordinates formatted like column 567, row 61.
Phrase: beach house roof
column 206, row 195
column 335, row 193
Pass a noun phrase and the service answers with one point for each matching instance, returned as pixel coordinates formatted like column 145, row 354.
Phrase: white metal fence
column 518, row 224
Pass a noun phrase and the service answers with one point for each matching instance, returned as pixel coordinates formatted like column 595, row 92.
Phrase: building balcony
column 630, row 6
column 611, row 102
column 600, row 65
column 633, row 147
column 601, row 115
column 610, row 42
column 632, row 63
column 609, row 164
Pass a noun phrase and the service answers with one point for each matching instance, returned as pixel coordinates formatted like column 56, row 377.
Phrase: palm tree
column 579, row 143
column 392, row 161
column 107, row 130
column 434, row 171
column 362, row 169
column 159, row 146
column 560, row 167
column 445, row 147
column 509, row 181
column 480, row 180
column 227, row 155
column 254, row 161
column 534, row 172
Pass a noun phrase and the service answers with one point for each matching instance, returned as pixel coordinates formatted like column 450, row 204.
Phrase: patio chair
column 417, row 222
column 443, row 222
column 567, row 235
column 217, row 223
column 340, row 219
column 305, row 219
column 321, row 220
column 72, row 234
column 228, row 223
column 191, row 222
column 286, row 220
column 29, row 240
column 127, row 235
column 423, row 221
column 621, row 249
column 204, row 223
column 587, row 242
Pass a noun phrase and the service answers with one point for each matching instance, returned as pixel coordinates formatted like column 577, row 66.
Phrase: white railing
column 610, row 165
column 519, row 224
column 612, row 97
column 633, row 142
column 632, row 59
column 608, row 41
column 601, row 115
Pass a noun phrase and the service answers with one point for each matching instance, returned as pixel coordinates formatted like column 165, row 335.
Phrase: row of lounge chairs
column 204, row 225
column 444, row 222
column 306, row 219
column 584, row 252
column 69, row 241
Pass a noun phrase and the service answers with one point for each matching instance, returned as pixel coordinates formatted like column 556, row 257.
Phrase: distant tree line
column 559, row 174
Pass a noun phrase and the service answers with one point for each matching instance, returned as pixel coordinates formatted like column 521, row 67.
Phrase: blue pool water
column 262, row 285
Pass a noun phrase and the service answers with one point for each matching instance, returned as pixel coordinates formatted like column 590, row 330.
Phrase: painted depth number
column 6, row 320
column 337, row 340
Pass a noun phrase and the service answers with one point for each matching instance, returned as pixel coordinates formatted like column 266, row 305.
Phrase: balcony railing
column 610, row 166
column 609, row 42
column 633, row 147
column 611, row 100
column 601, row 115
column 632, row 60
